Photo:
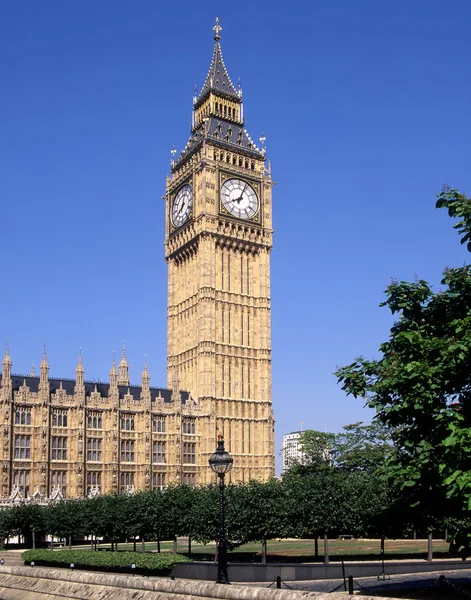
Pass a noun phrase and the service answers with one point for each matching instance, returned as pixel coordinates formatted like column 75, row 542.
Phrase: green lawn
column 303, row 550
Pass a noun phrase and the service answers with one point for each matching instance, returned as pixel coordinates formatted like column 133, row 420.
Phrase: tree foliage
column 421, row 384
column 358, row 447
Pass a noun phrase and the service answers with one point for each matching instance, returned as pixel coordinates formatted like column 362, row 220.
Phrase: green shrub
column 146, row 563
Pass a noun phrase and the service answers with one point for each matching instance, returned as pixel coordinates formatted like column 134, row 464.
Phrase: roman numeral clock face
column 239, row 198
column 182, row 204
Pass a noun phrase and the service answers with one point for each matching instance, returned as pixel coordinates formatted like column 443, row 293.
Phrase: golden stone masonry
column 74, row 438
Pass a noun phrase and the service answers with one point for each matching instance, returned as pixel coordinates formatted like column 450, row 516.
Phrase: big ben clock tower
column 218, row 243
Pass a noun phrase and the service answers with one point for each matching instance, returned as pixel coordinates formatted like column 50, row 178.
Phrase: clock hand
column 242, row 194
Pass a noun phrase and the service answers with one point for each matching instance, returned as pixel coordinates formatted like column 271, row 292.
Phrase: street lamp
column 221, row 463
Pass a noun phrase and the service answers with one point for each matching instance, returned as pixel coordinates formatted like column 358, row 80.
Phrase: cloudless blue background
column 366, row 109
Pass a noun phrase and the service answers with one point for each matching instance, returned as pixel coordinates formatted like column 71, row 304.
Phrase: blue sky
column 366, row 109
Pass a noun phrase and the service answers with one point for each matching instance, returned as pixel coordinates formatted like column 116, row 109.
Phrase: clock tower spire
column 218, row 244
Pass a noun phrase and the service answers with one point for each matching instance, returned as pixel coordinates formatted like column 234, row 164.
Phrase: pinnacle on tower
column 80, row 368
column 6, row 366
column 79, row 372
column 123, row 369
column 6, row 362
column 218, row 115
column 218, row 80
column 145, row 372
column 113, row 374
column 44, row 368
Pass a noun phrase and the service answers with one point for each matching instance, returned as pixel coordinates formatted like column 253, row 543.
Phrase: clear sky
column 366, row 109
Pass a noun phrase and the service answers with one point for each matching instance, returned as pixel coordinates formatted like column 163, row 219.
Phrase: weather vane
column 217, row 28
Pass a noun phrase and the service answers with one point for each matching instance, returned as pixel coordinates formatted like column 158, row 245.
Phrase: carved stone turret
column 6, row 365
column 44, row 374
column 145, row 377
column 113, row 376
column 123, row 369
column 79, row 375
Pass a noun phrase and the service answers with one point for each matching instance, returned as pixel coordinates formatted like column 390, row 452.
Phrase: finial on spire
column 172, row 160
column 44, row 360
column 217, row 28
column 80, row 368
column 145, row 376
column 7, row 360
column 239, row 88
column 32, row 374
column 263, row 139
column 113, row 366
column 123, row 350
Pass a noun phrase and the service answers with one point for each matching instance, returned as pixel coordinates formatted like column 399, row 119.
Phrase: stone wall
column 37, row 583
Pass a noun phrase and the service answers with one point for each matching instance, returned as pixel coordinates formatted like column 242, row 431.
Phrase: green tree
column 318, row 449
column 362, row 447
column 358, row 447
column 421, row 384
column 25, row 519
column 65, row 518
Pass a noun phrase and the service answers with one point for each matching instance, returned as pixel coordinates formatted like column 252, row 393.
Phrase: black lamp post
column 221, row 463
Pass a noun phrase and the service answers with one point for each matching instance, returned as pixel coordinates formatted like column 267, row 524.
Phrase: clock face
column 182, row 205
column 239, row 198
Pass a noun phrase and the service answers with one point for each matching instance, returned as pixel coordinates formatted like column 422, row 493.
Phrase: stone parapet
column 38, row 583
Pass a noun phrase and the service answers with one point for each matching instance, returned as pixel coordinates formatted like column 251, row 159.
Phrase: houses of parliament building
column 74, row 438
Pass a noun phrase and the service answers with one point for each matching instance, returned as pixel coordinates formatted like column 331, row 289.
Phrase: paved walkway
column 373, row 585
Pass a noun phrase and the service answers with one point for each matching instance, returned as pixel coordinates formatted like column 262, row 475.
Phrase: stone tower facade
column 73, row 437
column 218, row 244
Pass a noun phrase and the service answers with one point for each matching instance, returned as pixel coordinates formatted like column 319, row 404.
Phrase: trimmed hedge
column 146, row 563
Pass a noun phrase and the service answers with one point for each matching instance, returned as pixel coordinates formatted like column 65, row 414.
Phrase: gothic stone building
column 84, row 438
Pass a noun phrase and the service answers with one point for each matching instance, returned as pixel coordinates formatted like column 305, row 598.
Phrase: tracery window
column 189, row 479
column 188, row 426
column 158, row 480
column 127, row 481
column 93, row 480
column 23, row 415
column 22, row 446
column 159, row 424
column 59, row 417
column 127, row 451
column 127, row 422
column 94, row 449
column 94, row 420
column 59, row 448
column 59, row 480
column 21, row 480
column 189, row 453
column 159, row 452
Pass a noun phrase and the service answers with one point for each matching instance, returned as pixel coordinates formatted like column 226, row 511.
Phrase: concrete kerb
column 40, row 583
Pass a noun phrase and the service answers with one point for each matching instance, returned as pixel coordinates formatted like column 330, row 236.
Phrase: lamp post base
column 223, row 578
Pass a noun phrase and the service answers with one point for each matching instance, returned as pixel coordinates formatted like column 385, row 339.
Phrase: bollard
column 278, row 582
column 350, row 584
